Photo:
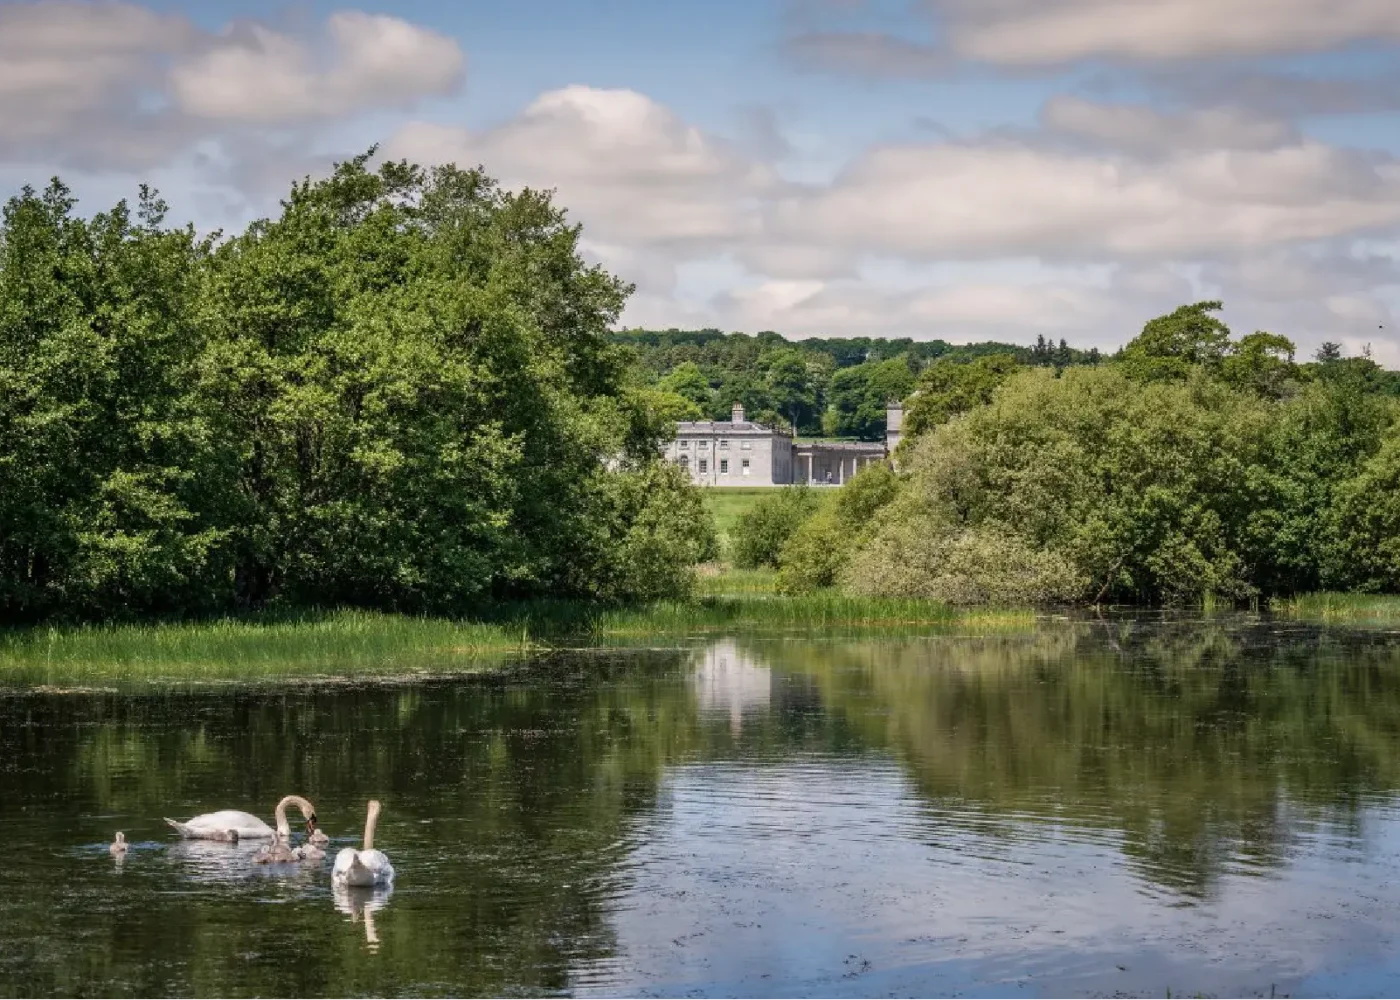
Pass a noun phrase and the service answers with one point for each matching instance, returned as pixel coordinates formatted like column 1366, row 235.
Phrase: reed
column 338, row 643
column 1340, row 607
column 351, row 645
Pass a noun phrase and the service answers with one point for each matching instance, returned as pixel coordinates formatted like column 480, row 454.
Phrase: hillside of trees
column 837, row 387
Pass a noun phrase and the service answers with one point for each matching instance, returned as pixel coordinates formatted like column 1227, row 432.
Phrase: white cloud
column 117, row 86
column 657, row 195
column 1142, row 129
column 989, row 199
column 630, row 169
column 255, row 74
column 1043, row 32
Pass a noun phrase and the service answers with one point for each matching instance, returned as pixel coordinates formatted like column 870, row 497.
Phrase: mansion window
column 746, row 466
column 685, row 445
column 683, row 461
column 724, row 466
column 724, row 446
column 704, row 466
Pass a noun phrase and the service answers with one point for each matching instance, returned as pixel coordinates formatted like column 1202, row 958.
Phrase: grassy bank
column 356, row 644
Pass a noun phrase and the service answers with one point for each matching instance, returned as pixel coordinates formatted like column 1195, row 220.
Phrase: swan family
column 366, row 867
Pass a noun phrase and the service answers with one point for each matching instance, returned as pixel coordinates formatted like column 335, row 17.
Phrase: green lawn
column 728, row 503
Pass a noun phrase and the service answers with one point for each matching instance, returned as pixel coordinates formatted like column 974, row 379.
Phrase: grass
column 821, row 611
column 340, row 644
column 350, row 645
column 728, row 503
column 1335, row 607
column 724, row 581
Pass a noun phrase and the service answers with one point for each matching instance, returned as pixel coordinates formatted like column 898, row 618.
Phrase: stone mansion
column 739, row 452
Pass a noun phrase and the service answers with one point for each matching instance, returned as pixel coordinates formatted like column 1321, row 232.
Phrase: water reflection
column 730, row 683
column 361, row 903
column 1121, row 807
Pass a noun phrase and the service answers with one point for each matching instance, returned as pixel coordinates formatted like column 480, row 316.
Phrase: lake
column 1132, row 806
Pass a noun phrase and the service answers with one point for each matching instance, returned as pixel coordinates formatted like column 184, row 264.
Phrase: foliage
column 947, row 389
column 760, row 533
column 1172, row 346
column 649, row 531
column 1089, row 485
column 860, row 397
column 818, row 551
column 398, row 393
column 806, row 383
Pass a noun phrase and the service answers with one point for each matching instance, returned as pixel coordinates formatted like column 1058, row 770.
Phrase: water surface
column 1095, row 808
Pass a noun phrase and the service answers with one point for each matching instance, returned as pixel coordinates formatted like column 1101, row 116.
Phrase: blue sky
column 930, row 168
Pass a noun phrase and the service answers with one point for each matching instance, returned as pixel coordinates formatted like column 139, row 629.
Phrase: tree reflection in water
column 536, row 813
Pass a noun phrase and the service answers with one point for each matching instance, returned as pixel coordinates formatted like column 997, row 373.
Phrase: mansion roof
column 722, row 427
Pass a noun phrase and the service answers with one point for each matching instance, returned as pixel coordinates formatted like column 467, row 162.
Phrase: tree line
column 837, row 387
column 399, row 392
column 1191, row 465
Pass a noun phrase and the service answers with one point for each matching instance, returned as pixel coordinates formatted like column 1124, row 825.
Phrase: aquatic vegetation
column 361, row 645
column 1342, row 608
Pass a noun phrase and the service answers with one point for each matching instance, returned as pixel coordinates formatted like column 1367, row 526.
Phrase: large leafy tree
column 860, row 396
column 399, row 392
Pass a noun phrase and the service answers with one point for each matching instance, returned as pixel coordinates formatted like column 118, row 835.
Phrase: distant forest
column 835, row 387
column 839, row 386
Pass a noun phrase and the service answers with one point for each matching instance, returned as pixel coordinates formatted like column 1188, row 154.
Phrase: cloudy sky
column 930, row 168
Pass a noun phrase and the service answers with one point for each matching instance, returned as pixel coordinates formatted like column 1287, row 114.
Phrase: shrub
column 818, row 551
column 759, row 534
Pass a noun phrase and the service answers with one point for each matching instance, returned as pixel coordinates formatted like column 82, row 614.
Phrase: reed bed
column 339, row 643
column 349, row 644
column 1341, row 608
column 818, row 611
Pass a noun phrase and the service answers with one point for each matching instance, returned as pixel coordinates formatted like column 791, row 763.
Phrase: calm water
column 1131, row 808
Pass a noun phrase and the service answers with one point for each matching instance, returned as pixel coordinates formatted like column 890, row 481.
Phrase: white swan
column 367, row 866
column 232, row 824
column 118, row 847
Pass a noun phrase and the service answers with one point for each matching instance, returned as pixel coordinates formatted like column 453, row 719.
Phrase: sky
column 959, row 169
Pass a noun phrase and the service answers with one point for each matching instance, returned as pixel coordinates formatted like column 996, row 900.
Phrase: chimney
column 738, row 415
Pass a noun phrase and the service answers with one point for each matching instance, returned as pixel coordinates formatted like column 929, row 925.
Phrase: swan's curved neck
column 284, row 831
column 370, row 820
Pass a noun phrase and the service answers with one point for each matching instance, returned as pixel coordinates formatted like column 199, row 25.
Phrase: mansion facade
column 739, row 452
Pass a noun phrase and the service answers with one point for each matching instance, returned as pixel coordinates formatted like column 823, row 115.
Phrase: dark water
column 1133, row 808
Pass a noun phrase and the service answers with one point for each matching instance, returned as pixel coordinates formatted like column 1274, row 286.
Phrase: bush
column 986, row 565
column 818, row 551
column 759, row 534
column 1090, row 485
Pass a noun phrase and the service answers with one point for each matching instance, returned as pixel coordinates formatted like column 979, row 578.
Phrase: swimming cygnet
column 276, row 852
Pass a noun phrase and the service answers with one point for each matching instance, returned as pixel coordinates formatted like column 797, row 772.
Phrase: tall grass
column 726, row 581
column 816, row 611
column 341, row 643
column 360, row 645
column 1337, row 607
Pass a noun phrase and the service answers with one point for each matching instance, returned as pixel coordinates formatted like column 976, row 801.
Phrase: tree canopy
column 399, row 392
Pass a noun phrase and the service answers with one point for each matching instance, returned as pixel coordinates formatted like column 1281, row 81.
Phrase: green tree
column 791, row 387
column 1170, row 346
column 1261, row 363
column 688, row 381
column 948, row 388
column 760, row 533
column 859, row 397
column 816, row 554
column 1086, row 486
